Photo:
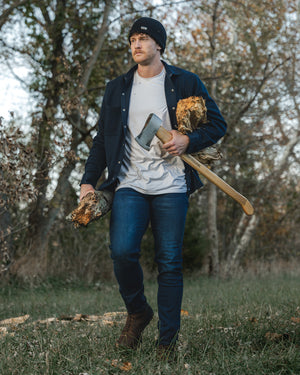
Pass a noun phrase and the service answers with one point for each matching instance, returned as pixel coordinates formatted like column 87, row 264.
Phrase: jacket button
column 124, row 109
column 172, row 90
column 173, row 108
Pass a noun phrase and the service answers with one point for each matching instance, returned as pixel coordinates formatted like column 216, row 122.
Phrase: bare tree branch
column 97, row 49
column 261, row 84
column 9, row 11
column 152, row 7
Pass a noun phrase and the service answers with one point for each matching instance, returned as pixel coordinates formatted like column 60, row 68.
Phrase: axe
column 153, row 127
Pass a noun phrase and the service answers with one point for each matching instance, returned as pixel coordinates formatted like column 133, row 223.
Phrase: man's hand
column 178, row 144
column 85, row 189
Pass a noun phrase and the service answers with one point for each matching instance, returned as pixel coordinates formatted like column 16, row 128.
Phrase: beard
column 143, row 58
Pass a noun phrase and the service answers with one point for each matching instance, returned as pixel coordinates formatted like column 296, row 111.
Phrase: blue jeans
column 130, row 217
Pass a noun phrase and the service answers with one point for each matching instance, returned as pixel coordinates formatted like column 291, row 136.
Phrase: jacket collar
column 171, row 70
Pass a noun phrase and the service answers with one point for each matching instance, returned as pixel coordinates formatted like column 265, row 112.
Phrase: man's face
column 144, row 49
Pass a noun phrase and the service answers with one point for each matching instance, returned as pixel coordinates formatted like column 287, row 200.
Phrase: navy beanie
column 151, row 27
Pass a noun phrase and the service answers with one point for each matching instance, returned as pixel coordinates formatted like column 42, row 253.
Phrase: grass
column 242, row 326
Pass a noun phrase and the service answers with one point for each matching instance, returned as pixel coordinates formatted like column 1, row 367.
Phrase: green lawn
column 242, row 326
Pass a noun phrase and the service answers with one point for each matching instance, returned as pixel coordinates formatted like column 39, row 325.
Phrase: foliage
column 195, row 243
column 16, row 172
column 246, row 54
column 244, row 57
column 16, row 164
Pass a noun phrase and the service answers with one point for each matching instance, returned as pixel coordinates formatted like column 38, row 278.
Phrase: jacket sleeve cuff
column 198, row 141
column 89, row 181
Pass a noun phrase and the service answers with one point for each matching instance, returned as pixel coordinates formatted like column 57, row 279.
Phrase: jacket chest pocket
column 113, row 121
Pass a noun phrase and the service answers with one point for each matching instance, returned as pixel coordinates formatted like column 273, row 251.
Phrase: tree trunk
column 213, row 256
column 246, row 228
column 44, row 213
column 240, row 245
column 213, row 231
column 6, row 248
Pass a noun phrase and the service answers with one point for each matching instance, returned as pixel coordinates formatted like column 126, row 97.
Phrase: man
column 150, row 186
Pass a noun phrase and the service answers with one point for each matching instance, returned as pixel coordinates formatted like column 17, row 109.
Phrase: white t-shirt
column 154, row 171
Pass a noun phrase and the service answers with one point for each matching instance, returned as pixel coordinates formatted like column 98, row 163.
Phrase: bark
column 246, row 227
column 97, row 48
column 243, row 236
column 213, row 231
column 212, row 190
column 38, row 218
column 92, row 207
column 6, row 246
column 34, row 263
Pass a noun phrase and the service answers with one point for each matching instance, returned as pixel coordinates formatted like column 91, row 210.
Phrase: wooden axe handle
column 165, row 137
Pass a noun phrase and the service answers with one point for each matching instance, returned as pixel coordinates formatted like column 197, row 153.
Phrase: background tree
column 246, row 54
column 242, row 52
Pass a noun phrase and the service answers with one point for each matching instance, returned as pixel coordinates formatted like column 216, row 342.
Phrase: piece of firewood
column 191, row 113
column 91, row 207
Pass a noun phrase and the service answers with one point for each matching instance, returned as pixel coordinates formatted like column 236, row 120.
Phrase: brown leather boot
column 135, row 325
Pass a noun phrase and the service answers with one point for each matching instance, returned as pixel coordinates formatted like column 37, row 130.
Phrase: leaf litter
column 116, row 318
column 107, row 319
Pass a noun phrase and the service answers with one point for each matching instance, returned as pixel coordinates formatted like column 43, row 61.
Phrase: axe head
column 152, row 124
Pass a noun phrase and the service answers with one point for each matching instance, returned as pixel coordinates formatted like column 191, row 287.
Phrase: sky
column 13, row 98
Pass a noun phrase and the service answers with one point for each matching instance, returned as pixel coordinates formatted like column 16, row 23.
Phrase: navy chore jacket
column 108, row 144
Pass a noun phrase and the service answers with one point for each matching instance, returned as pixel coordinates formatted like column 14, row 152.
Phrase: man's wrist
column 85, row 189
